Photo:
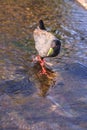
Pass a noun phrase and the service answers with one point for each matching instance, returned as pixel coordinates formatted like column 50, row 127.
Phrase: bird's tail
column 41, row 25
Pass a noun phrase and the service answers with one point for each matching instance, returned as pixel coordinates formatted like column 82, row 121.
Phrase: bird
column 46, row 44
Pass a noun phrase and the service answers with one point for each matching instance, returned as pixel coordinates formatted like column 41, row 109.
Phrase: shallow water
column 28, row 100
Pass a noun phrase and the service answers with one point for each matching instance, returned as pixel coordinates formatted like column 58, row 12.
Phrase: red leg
column 42, row 64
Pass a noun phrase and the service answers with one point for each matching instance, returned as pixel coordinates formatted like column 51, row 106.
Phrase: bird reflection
column 44, row 82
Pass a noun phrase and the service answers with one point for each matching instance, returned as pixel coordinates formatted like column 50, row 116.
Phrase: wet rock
column 23, row 86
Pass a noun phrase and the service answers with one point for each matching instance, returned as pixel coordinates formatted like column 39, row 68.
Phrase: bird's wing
column 43, row 40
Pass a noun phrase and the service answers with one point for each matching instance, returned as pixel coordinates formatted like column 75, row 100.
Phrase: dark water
column 29, row 101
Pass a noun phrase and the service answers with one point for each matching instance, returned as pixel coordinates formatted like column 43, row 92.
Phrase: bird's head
column 55, row 48
column 56, row 44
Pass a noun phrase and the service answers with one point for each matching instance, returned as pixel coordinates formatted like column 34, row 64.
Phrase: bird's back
column 43, row 40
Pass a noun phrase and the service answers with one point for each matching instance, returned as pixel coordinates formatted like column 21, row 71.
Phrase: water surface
column 28, row 100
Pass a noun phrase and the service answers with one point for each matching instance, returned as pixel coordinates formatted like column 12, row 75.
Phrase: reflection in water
column 43, row 82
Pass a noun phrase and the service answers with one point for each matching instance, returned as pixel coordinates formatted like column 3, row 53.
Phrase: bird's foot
column 44, row 71
column 42, row 64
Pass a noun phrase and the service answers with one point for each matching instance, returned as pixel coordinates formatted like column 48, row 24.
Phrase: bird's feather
column 43, row 41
